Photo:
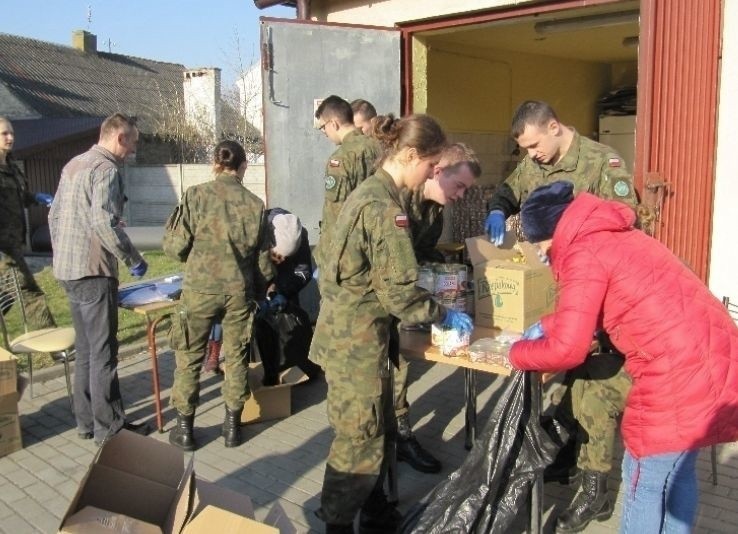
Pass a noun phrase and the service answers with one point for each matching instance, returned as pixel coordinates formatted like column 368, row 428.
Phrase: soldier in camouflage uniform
column 369, row 275
column 453, row 175
column 14, row 197
column 351, row 163
column 218, row 230
column 600, row 385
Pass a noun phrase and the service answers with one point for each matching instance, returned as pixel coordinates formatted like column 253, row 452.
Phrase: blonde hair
column 419, row 131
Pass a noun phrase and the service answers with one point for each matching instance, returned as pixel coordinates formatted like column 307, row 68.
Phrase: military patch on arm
column 401, row 221
column 621, row 188
column 330, row 182
column 334, row 163
column 614, row 162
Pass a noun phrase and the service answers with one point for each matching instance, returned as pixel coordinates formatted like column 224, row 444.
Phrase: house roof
column 61, row 82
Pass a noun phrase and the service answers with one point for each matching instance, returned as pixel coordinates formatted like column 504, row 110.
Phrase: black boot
column 564, row 467
column 181, row 435
column 592, row 502
column 410, row 451
column 232, row 427
column 330, row 528
column 378, row 515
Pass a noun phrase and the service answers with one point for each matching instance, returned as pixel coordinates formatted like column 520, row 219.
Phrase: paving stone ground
column 281, row 460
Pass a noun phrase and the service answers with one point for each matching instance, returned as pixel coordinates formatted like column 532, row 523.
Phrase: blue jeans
column 660, row 493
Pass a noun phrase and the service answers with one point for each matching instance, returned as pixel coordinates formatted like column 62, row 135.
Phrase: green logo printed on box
column 504, row 286
column 482, row 288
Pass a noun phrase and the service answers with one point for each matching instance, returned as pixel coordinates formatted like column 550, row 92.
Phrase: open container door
column 302, row 63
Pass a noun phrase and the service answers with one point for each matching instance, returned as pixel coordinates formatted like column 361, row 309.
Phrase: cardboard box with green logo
column 512, row 287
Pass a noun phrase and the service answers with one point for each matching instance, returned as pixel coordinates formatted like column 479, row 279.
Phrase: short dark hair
column 363, row 108
column 229, row 155
column 117, row 122
column 335, row 107
column 535, row 112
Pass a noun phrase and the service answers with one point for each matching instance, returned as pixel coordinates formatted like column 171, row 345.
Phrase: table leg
column 536, row 490
column 151, row 335
column 470, row 392
column 391, row 435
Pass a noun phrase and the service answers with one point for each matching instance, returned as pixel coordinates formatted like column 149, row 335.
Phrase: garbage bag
column 490, row 488
column 283, row 338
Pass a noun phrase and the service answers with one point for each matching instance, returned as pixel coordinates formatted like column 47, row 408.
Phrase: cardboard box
column 271, row 402
column 139, row 485
column 11, row 390
column 510, row 295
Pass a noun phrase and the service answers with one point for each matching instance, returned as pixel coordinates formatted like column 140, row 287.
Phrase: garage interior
column 473, row 77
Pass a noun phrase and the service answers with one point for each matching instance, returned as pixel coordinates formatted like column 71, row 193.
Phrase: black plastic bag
column 490, row 488
column 283, row 338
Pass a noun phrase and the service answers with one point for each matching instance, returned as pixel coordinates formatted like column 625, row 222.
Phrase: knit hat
column 543, row 208
column 287, row 233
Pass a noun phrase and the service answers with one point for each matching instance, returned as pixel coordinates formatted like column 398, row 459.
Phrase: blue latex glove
column 262, row 308
column 458, row 321
column 495, row 226
column 277, row 302
column 534, row 331
column 44, row 199
column 139, row 269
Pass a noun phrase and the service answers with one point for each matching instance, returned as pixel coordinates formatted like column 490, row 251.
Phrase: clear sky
column 195, row 33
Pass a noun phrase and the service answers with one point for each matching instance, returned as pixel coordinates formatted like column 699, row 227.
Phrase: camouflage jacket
column 14, row 197
column 352, row 162
column 219, row 231
column 426, row 224
column 369, row 274
column 590, row 166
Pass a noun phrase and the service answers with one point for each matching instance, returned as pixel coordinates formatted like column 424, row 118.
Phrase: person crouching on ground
column 219, row 231
column 680, row 345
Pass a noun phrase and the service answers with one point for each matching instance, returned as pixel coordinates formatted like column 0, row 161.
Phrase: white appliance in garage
column 618, row 132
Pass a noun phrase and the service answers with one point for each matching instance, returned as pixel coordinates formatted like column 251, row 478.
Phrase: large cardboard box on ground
column 512, row 288
column 139, row 485
column 11, row 389
column 271, row 402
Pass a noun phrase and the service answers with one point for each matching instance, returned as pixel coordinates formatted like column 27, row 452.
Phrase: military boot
column 330, row 528
column 592, row 502
column 378, row 515
column 181, row 435
column 232, row 427
column 212, row 358
column 410, row 451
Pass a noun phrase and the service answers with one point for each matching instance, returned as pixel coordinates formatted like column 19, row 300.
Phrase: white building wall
column 249, row 92
column 202, row 99
column 724, row 247
column 389, row 12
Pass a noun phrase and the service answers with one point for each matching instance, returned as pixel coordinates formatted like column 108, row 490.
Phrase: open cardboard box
column 507, row 294
column 139, row 485
column 270, row 402
column 11, row 391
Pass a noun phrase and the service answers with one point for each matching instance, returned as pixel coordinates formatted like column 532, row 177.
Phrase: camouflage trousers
column 400, row 384
column 34, row 300
column 360, row 413
column 189, row 334
column 592, row 403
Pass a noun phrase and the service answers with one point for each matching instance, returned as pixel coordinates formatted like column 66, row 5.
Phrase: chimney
column 202, row 99
column 84, row 41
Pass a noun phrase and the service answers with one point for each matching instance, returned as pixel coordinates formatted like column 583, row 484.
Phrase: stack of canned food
column 449, row 283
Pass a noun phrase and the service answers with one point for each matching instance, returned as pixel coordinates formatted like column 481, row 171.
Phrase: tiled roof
column 63, row 82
